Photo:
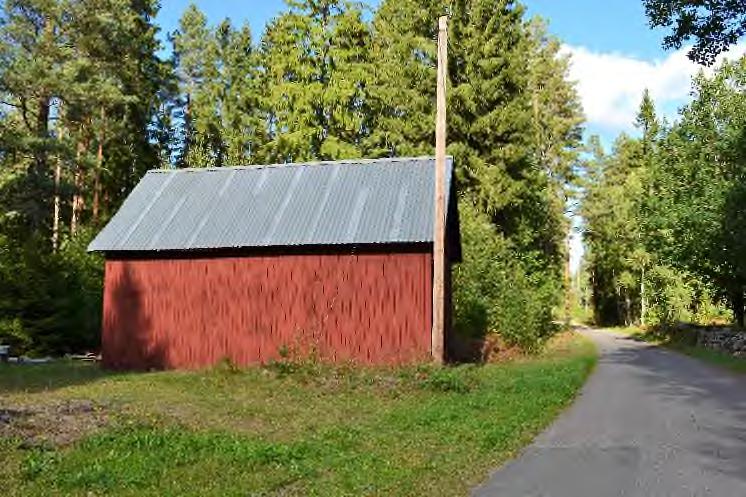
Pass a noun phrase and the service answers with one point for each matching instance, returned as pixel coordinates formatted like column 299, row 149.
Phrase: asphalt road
column 649, row 423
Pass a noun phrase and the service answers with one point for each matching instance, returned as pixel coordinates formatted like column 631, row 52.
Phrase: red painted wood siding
column 193, row 312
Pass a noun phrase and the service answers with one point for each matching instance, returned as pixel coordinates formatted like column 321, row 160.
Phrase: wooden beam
column 439, row 262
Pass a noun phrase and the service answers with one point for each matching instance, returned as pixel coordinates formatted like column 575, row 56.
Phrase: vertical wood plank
column 192, row 312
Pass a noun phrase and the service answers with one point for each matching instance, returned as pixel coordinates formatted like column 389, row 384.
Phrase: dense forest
column 666, row 212
column 90, row 102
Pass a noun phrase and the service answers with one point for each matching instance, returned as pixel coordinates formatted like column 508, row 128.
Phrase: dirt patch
column 54, row 425
column 497, row 350
column 487, row 349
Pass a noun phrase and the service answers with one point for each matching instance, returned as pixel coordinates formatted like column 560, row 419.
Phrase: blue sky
column 613, row 25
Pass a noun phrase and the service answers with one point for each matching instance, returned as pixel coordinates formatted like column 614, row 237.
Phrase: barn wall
column 193, row 312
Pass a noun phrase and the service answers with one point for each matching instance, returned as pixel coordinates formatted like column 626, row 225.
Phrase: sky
column 614, row 56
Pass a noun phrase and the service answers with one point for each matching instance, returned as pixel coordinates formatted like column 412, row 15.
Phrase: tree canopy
column 715, row 25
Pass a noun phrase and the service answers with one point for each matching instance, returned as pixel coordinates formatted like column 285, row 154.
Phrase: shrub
column 13, row 333
column 671, row 295
column 495, row 293
column 50, row 303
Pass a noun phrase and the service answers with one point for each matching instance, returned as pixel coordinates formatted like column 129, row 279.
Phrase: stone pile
column 723, row 339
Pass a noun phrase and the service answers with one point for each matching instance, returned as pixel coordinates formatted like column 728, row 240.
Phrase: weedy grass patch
column 300, row 429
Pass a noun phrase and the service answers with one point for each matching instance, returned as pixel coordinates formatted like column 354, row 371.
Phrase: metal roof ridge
column 296, row 164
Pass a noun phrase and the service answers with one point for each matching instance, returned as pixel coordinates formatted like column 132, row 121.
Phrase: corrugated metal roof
column 322, row 203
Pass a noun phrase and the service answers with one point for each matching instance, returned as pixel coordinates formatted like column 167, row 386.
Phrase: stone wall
column 722, row 339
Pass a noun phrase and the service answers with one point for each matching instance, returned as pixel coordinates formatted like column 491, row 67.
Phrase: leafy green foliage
column 514, row 135
column 80, row 84
column 316, row 65
column 715, row 24
column 217, row 117
column 54, row 298
column 494, row 293
column 610, row 210
column 670, row 295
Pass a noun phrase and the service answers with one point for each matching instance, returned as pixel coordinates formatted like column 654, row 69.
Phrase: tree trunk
column 627, row 309
column 40, row 169
column 188, row 132
column 42, row 132
column 739, row 313
column 568, row 283
column 56, row 218
column 99, row 165
column 643, row 304
column 77, row 206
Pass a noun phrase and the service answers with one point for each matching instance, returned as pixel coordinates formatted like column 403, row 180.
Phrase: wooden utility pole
column 439, row 262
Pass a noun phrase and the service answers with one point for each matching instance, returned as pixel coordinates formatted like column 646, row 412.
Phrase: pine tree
column 80, row 81
column 34, row 61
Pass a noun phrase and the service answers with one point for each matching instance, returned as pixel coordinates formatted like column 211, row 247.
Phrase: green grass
column 721, row 359
column 684, row 343
column 288, row 430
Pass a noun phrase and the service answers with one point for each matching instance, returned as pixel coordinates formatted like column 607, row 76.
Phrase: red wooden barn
column 329, row 258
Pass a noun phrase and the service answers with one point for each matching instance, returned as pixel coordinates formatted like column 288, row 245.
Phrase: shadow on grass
column 32, row 378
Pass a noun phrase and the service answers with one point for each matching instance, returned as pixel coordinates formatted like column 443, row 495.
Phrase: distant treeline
column 89, row 103
column 666, row 213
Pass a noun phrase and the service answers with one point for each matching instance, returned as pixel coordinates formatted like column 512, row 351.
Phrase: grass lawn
column 684, row 345
column 72, row 429
column 727, row 361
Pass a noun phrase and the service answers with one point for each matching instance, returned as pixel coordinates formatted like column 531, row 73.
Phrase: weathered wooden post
column 439, row 262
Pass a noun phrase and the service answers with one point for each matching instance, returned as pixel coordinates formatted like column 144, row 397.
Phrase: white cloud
column 611, row 84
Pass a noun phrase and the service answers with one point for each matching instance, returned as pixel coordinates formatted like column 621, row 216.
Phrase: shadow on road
column 687, row 381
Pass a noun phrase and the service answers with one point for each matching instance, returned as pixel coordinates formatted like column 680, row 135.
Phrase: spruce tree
column 402, row 90
column 242, row 128
column 196, row 56
column 314, row 82
column 647, row 122
column 513, row 123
